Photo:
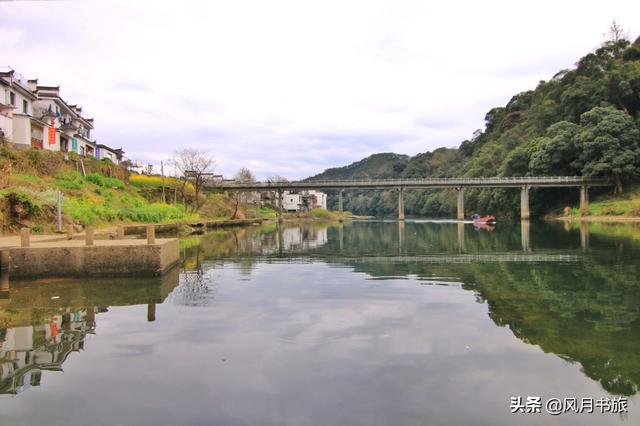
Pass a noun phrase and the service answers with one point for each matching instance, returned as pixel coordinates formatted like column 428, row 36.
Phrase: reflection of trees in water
column 197, row 285
column 588, row 314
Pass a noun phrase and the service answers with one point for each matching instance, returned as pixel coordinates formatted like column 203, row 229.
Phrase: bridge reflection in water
column 570, row 293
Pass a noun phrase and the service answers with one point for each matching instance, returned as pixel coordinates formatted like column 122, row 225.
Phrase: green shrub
column 322, row 214
column 86, row 212
column 69, row 180
column 147, row 181
column 19, row 198
column 156, row 212
column 24, row 178
column 266, row 213
column 7, row 152
column 104, row 181
column 35, row 158
column 38, row 229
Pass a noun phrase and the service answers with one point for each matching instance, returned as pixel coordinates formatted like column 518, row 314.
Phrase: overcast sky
column 294, row 87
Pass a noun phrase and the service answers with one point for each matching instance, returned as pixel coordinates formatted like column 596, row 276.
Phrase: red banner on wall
column 52, row 136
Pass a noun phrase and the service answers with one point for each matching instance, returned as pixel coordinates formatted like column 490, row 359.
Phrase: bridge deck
column 498, row 182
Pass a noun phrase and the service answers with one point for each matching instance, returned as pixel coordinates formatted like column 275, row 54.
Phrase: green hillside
column 108, row 194
column 385, row 165
column 583, row 121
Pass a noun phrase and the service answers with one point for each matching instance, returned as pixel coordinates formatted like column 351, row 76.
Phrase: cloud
column 292, row 88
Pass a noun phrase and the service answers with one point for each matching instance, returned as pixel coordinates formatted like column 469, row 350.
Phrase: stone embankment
column 84, row 255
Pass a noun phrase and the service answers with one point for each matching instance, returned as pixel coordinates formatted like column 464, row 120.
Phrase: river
column 363, row 323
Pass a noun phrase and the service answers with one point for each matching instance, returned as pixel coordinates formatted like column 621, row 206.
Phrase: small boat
column 480, row 225
column 484, row 219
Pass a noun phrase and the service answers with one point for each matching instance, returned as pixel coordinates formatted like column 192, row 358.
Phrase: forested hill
column 583, row 121
column 380, row 166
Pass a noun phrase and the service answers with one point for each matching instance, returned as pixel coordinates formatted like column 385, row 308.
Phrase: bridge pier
column 401, row 203
column 524, row 203
column 584, row 236
column 340, row 193
column 584, row 199
column 460, row 215
column 461, row 245
column 279, row 212
column 280, row 239
column 525, row 232
column 151, row 312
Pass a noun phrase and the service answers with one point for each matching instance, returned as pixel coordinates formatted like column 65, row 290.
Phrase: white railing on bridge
column 497, row 179
column 457, row 181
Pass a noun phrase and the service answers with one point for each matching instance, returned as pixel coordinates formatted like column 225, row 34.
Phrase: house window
column 25, row 106
column 82, row 151
column 12, row 98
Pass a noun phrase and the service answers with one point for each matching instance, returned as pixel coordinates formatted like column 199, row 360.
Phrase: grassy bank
column 31, row 200
column 608, row 207
column 108, row 194
column 321, row 215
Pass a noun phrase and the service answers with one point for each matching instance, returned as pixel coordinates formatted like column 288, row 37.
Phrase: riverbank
column 624, row 207
column 98, row 193
column 620, row 219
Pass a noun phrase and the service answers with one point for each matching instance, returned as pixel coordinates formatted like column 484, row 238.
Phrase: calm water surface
column 368, row 323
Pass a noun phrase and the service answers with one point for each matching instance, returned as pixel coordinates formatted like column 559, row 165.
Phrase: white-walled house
column 303, row 200
column 16, row 106
column 103, row 151
column 67, row 129
column 318, row 199
column 34, row 116
column 291, row 202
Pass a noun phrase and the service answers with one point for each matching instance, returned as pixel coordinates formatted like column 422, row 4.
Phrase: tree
column 244, row 175
column 623, row 87
column 196, row 167
column 608, row 145
column 273, row 194
column 516, row 163
column 277, row 179
column 555, row 152
column 615, row 33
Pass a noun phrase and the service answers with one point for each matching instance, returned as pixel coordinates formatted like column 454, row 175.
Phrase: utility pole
column 59, row 215
column 175, row 186
column 164, row 199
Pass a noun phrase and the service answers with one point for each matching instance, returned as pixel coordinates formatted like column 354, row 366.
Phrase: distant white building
column 303, row 200
column 291, row 202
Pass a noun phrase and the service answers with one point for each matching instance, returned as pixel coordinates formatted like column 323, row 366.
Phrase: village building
column 16, row 105
column 303, row 200
column 103, row 151
column 34, row 116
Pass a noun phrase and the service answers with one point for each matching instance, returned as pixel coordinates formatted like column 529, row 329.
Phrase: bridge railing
column 497, row 179
column 524, row 180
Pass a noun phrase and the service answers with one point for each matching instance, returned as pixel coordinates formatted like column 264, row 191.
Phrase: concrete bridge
column 459, row 184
